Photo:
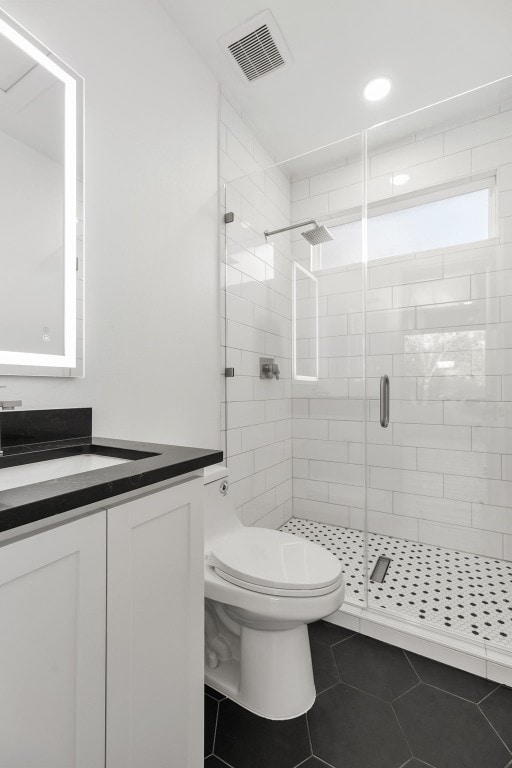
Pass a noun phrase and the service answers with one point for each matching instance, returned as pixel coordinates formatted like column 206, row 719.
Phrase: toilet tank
column 220, row 517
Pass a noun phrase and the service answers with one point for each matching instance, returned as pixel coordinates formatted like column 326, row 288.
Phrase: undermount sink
column 52, row 469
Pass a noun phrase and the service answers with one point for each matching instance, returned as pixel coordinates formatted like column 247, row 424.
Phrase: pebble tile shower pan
column 451, row 590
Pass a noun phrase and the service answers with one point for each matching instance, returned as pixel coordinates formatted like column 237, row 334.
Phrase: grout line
column 338, row 642
column 367, row 693
column 412, row 665
column 494, row 729
column 320, row 760
column 427, row 765
column 402, row 731
column 489, row 694
column 334, row 662
column 215, row 729
column 221, row 760
column 309, row 733
column 329, row 688
column 406, row 692
column 213, row 697
column 450, row 693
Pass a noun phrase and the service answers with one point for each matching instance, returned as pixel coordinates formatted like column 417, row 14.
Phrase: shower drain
column 380, row 569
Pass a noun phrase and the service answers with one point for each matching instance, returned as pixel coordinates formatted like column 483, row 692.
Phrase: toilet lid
column 274, row 559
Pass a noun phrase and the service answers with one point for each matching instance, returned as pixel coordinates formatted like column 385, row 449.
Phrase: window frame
column 411, row 200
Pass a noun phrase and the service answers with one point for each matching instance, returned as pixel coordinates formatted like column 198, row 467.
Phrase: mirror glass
column 39, row 259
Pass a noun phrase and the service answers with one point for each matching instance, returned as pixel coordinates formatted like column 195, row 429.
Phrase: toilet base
column 268, row 672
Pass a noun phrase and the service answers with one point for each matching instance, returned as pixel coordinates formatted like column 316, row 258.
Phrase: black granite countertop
column 149, row 463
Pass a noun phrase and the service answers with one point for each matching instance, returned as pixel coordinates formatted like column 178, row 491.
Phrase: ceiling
column 431, row 51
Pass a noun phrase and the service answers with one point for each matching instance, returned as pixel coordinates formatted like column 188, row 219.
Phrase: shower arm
column 292, row 226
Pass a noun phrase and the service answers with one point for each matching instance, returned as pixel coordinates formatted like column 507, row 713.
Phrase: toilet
column 262, row 588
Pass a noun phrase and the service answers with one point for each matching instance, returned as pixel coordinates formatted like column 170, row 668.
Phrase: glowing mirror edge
column 68, row 359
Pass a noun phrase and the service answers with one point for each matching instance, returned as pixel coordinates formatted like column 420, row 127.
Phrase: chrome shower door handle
column 384, row 401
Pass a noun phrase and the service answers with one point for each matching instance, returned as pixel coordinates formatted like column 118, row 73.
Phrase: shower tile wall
column 257, row 302
column 442, row 472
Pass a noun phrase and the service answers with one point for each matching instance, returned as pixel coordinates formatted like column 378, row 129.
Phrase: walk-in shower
column 414, row 283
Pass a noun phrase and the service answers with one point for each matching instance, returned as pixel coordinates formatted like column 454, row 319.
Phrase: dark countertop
column 150, row 463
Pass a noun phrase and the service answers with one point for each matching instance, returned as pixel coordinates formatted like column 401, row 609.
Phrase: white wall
column 257, row 301
column 441, row 473
column 151, row 222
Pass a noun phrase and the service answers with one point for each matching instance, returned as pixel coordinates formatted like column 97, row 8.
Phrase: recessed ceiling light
column 400, row 179
column 377, row 89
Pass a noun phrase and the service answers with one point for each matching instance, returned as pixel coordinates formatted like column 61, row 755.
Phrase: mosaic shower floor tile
column 450, row 590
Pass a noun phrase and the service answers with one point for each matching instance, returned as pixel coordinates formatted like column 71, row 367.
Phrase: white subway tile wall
column 440, row 325
column 256, row 313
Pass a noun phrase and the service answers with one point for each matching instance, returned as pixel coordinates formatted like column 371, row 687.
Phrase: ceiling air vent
column 257, row 46
column 257, row 53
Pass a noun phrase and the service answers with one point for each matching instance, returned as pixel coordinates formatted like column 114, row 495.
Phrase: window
column 415, row 225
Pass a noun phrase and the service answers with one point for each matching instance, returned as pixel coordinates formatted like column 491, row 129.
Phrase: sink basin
column 39, row 471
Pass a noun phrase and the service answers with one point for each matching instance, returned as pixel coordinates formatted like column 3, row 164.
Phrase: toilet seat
column 275, row 563
column 265, row 590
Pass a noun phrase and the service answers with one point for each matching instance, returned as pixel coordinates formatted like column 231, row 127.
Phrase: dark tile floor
column 377, row 706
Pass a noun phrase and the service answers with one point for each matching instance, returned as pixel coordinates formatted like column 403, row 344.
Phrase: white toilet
column 262, row 588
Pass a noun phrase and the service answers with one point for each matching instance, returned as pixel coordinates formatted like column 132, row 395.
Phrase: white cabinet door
column 155, row 630
column 52, row 648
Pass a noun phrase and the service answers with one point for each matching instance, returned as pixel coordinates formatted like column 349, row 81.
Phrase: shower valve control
column 269, row 369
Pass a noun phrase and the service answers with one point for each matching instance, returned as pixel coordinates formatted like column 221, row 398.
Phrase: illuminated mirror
column 41, row 185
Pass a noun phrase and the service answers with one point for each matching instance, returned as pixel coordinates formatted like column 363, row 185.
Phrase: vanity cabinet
column 101, row 637
column 52, row 647
column 155, row 630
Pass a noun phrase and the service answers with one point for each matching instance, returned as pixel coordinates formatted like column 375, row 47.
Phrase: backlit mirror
column 41, row 201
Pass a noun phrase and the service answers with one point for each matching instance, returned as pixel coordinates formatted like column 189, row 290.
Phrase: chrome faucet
column 10, row 405
column 7, row 405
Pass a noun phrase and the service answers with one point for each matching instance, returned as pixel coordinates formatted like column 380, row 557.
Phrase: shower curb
column 465, row 654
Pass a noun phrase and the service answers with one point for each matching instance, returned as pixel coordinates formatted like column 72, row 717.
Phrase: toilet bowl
column 262, row 589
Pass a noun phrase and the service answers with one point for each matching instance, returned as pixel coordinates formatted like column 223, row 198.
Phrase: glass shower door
column 328, row 374
column 295, row 445
column 439, row 325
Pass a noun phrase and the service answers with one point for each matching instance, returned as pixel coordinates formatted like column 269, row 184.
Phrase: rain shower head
column 319, row 234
